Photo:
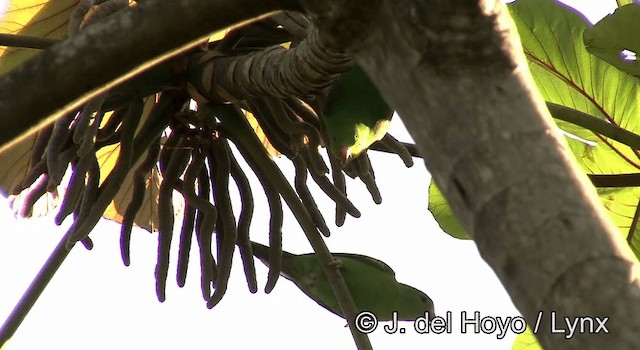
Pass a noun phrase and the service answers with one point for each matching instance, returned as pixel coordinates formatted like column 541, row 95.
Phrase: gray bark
column 302, row 71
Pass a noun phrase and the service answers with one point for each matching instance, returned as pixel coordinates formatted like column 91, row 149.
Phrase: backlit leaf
column 566, row 73
column 260, row 133
column 38, row 18
column 147, row 217
column 441, row 211
column 526, row 341
column 611, row 36
column 35, row 18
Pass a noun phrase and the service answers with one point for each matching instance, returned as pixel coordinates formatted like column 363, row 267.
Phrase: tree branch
column 598, row 180
column 586, row 121
column 105, row 58
column 594, row 124
column 34, row 291
column 456, row 74
column 29, row 42
column 301, row 71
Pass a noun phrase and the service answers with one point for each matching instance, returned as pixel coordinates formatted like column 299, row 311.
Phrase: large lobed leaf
column 615, row 33
column 35, row 18
column 567, row 74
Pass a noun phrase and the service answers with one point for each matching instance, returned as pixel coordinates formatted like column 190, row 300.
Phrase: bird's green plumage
column 354, row 115
column 372, row 284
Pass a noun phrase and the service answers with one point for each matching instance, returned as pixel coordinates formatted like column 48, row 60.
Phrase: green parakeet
column 372, row 284
column 354, row 115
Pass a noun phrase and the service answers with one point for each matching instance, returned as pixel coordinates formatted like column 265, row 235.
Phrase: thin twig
column 27, row 42
column 36, row 288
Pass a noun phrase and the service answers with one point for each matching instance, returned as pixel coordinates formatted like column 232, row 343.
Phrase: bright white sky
column 3, row 6
column 94, row 301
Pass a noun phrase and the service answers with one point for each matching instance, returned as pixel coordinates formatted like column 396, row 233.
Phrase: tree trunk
column 456, row 74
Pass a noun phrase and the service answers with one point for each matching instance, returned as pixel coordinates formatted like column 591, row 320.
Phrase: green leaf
column 617, row 32
column 526, row 341
column 622, row 205
column 441, row 211
column 566, row 74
